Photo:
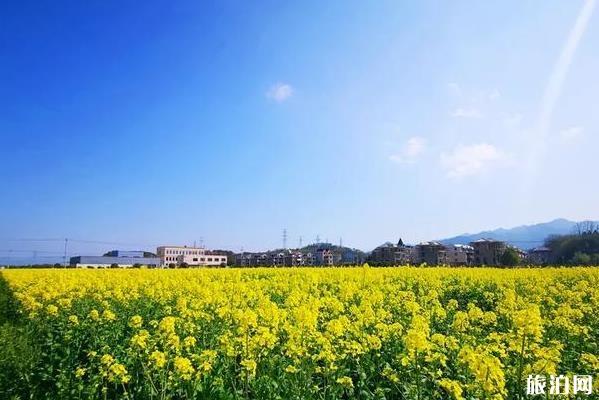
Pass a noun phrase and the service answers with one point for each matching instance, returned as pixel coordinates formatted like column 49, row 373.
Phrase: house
column 392, row 254
column 460, row 254
column 431, row 253
column 324, row 257
column 488, row 251
column 539, row 255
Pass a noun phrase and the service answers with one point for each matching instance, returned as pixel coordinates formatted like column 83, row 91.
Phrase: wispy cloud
column 467, row 113
column 472, row 160
column 280, row 92
column 553, row 92
column 572, row 133
column 412, row 149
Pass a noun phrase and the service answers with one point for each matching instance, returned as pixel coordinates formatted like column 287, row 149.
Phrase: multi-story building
column 294, row 258
column 431, row 253
column 324, row 257
column 384, row 254
column 460, row 254
column 488, row 251
column 539, row 255
column 309, row 259
column 192, row 256
column 391, row 254
column 277, row 259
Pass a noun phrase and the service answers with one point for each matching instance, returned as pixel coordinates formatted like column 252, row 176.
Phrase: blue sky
column 229, row 121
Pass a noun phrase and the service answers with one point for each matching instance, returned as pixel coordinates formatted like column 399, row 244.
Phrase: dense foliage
column 579, row 249
column 435, row 333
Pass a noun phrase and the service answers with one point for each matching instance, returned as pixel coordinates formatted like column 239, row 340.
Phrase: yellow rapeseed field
column 306, row 333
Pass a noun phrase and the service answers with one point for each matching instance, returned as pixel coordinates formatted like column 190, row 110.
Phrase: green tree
column 510, row 257
column 581, row 258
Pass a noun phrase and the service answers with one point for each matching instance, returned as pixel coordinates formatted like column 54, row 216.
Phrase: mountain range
column 524, row 237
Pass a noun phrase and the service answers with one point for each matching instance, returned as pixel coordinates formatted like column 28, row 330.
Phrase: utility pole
column 300, row 242
column 340, row 242
column 66, row 243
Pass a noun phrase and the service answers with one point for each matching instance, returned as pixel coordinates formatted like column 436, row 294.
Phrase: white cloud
column 471, row 160
column 413, row 148
column 280, row 92
column 467, row 113
column 572, row 133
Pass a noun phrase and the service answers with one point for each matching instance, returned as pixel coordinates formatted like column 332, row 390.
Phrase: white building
column 192, row 256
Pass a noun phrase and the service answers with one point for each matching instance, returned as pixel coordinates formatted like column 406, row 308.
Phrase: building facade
column 539, row 256
column 460, row 254
column 488, row 251
column 108, row 261
column 393, row 254
column 324, row 257
column 431, row 253
column 191, row 256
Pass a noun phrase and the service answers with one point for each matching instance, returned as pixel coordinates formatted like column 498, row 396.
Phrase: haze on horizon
column 157, row 123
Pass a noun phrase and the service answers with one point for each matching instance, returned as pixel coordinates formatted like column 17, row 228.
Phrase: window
column 195, row 259
column 209, row 259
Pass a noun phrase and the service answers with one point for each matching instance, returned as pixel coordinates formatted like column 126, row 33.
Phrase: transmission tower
column 284, row 238
column 300, row 242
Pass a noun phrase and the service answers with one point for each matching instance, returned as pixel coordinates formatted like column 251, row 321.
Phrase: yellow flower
column 118, row 373
column 73, row 320
column 189, row 342
column 158, row 358
column 528, row 322
column 52, row 310
column 167, row 325
column 108, row 315
column 453, row 388
column 106, row 359
column 417, row 336
column 172, row 341
column 249, row 366
column 184, row 368
column 94, row 315
column 140, row 339
column 135, row 321
column 346, row 382
column 291, row 369
column 80, row 372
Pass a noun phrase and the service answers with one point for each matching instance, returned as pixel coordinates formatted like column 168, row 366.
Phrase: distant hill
column 524, row 237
